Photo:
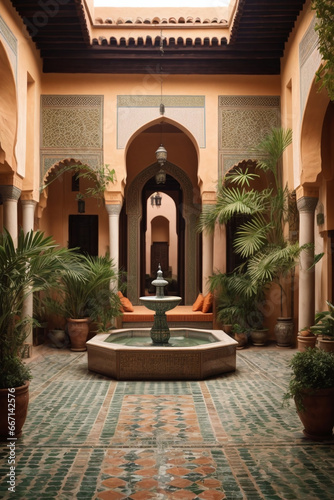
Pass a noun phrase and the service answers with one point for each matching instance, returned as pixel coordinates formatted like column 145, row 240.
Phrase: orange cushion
column 126, row 304
column 207, row 303
column 198, row 304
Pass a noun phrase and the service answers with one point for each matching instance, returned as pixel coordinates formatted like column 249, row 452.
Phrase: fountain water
column 143, row 354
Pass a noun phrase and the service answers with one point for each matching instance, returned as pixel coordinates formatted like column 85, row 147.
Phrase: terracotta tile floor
column 88, row 437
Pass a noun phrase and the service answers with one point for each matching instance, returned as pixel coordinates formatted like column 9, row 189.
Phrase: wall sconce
column 81, row 206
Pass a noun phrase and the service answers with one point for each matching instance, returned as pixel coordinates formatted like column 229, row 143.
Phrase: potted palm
column 269, row 256
column 311, row 385
column 84, row 294
column 28, row 268
column 239, row 305
column 323, row 328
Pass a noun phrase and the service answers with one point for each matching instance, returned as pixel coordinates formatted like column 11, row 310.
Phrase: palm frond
column 251, row 236
column 272, row 147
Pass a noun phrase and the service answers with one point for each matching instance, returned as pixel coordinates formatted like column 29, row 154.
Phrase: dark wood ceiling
column 259, row 33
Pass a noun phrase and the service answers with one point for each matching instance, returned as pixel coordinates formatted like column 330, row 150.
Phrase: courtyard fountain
column 161, row 353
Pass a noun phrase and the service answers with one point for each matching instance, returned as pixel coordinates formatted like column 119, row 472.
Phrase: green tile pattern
column 225, row 438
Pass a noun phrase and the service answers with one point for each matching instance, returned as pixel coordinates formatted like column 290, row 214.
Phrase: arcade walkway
column 87, row 437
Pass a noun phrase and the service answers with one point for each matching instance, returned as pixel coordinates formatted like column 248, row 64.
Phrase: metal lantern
column 161, row 155
column 160, row 177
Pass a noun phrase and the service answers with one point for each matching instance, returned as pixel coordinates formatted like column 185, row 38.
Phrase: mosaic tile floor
column 87, row 437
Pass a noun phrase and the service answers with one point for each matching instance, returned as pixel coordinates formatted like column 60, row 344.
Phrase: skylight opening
column 162, row 3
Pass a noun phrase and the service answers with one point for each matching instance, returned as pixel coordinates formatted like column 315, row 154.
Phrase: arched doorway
column 163, row 239
column 181, row 189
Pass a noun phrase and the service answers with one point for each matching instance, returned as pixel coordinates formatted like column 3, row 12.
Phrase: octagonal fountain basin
column 191, row 354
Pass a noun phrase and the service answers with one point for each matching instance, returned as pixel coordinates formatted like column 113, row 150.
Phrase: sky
column 161, row 3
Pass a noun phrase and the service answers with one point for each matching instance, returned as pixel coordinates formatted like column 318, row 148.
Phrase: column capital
column 307, row 204
column 209, row 197
column 113, row 209
column 10, row 192
column 26, row 202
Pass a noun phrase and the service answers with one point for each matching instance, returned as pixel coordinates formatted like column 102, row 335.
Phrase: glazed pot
column 13, row 401
column 259, row 337
column 317, row 415
column 284, row 332
column 242, row 340
column 78, row 330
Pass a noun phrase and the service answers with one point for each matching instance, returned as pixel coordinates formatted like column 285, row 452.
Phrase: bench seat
column 178, row 317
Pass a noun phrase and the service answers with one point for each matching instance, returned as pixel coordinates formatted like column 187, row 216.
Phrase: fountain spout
column 160, row 333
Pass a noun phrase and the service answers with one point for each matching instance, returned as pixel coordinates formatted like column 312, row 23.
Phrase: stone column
column 113, row 213
column 28, row 212
column 28, row 215
column 207, row 247
column 306, row 305
column 10, row 196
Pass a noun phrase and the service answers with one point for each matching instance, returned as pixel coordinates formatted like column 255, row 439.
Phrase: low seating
column 178, row 317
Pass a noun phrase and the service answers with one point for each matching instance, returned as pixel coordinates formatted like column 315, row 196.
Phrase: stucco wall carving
column 134, row 111
column 243, row 121
column 71, row 126
column 10, row 42
column 309, row 62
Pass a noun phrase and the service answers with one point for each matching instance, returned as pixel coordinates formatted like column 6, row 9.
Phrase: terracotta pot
column 284, row 332
column 304, row 342
column 259, row 337
column 325, row 344
column 318, row 413
column 227, row 329
column 16, row 406
column 78, row 330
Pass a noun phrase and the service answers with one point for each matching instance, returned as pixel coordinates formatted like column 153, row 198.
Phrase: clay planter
column 259, row 337
column 317, row 415
column 304, row 342
column 17, row 406
column 325, row 344
column 227, row 329
column 284, row 332
column 78, row 330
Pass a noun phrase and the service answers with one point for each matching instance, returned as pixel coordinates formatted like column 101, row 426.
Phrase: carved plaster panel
column 309, row 62
column 71, row 127
column 243, row 122
column 10, row 42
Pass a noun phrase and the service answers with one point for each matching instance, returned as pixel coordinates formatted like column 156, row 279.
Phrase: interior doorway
column 83, row 233
column 159, row 249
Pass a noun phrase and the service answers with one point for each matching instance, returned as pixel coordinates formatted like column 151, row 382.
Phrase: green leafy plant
column 234, row 302
column 31, row 266
column 85, row 290
column 324, row 323
column 99, row 178
column 311, row 369
column 269, row 255
column 325, row 30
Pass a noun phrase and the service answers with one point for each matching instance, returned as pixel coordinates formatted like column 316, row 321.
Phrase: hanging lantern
column 160, row 177
column 81, row 206
column 161, row 155
column 156, row 200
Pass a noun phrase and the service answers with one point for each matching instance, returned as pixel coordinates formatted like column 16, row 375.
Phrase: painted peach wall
column 28, row 77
